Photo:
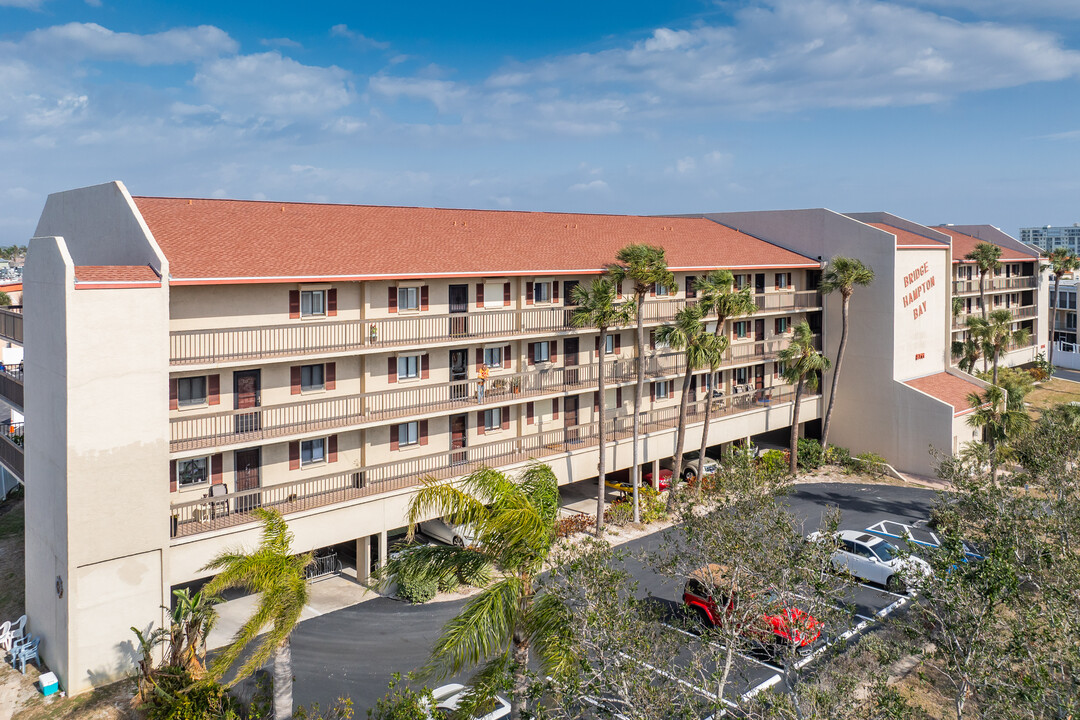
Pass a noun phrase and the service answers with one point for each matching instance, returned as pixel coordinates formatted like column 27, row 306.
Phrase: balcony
column 1000, row 284
column 11, row 323
column 11, row 448
column 11, row 384
column 959, row 322
column 192, row 517
column 336, row 413
column 194, row 347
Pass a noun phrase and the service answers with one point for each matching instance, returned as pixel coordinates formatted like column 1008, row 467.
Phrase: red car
column 779, row 624
column 665, row 479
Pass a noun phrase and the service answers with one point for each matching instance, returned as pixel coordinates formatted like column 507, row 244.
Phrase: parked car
column 627, row 486
column 449, row 697
column 710, row 593
column 439, row 529
column 872, row 558
column 917, row 536
column 690, row 465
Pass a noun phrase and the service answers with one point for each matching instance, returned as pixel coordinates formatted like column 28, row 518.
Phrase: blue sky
column 958, row 111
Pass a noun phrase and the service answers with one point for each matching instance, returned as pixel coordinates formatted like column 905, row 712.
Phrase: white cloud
column 93, row 3
column 1008, row 8
column 267, row 85
column 685, row 165
column 92, row 41
column 1067, row 135
column 281, row 42
column 591, row 186
column 359, row 39
column 445, row 95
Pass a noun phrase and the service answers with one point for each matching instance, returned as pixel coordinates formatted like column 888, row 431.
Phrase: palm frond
column 483, row 629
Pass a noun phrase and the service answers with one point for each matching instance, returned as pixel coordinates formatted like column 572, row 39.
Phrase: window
column 782, row 280
column 663, row 389
column 493, row 419
column 742, row 376
column 408, row 366
column 191, row 391
column 742, row 281
column 662, row 290
column 408, row 298
column 493, row 357
column 742, row 329
column 312, row 302
column 312, row 451
column 311, row 377
column 782, row 325
column 493, row 295
column 542, row 292
column 408, row 433
column 609, row 345
column 192, row 471
column 541, row 352
column 781, row 368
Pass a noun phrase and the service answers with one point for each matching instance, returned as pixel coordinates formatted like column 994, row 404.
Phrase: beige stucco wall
column 920, row 312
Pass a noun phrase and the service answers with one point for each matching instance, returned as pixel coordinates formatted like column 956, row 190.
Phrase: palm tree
column 514, row 525
column 718, row 295
column 995, row 335
column 688, row 334
column 1061, row 261
column 967, row 352
column 986, row 257
column 276, row 573
column 802, row 364
column 596, row 307
column 646, row 267
column 998, row 421
column 843, row 274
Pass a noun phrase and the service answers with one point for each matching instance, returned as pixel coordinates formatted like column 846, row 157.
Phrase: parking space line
column 760, row 687
column 724, row 647
column 882, row 590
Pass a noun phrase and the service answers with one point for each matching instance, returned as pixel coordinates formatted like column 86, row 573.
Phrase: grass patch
column 1054, row 391
column 11, row 523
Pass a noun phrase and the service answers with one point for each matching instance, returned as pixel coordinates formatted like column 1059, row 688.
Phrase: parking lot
column 352, row 652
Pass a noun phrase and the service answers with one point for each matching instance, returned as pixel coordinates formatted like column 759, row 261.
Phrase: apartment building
column 1062, row 311
column 190, row 360
column 1048, row 237
column 1018, row 286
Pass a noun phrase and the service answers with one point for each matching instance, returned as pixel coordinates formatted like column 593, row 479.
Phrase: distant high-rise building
column 1049, row 237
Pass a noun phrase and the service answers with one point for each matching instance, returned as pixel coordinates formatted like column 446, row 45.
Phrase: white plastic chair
column 6, row 638
column 18, row 630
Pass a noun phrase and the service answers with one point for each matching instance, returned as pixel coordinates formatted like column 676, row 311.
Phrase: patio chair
column 12, row 632
column 26, row 650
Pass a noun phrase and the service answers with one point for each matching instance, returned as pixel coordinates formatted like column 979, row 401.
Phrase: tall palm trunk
column 982, row 302
column 601, row 384
column 680, row 436
column 521, row 681
column 635, row 472
column 836, row 371
column 283, row 681
column 720, row 320
column 794, row 465
column 1053, row 316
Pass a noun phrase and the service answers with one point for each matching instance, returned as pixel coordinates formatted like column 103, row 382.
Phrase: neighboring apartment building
column 1018, row 286
column 1063, row 313
column 1048, row 237
column 191, row 360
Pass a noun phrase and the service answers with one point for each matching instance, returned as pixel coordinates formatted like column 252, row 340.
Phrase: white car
column 448, row 697
column 444, row 532
column 690, row 465
column 872, row 558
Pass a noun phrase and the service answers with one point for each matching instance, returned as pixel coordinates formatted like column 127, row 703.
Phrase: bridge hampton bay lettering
column 917, row 283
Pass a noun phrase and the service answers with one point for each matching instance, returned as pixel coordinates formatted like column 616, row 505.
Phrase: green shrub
column 872, row 464
column 450, row 583
column 177, row 698
column 839, row 456
column 774, row 463
column 416, row 590
column 621, row 512
column 652, row 510
column 341, row 710
column 810, row 454
column 402, row 703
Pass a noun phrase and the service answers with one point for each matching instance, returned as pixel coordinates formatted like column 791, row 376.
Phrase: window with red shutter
column 555, row 291
column 530, row 408
column 596, row 400
column 596, row 346
column 555, row 408
column 330, row 376
column 652, row 391
column 391, row 299
column 506, row 294
column 394, row 434
column 173, row 393
column 213, row 389
column 505, row 418
column 295, row 379
column 618, row 343
column 479, row 358
column 480, row 423
column 528, row 293
column 331, row 301
column 652, row 339
column 424, row 297
column 172, row 476
column 554, row 351
column 391, row 369
column 294, row 304
column 331, row 448
column 479, row 294
column 618, row 398
column 425, row 366
column 532, row 353
column 506, row 358
column 294, row 455
column 423, row 432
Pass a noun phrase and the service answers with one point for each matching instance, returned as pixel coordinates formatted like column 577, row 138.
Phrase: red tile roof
column 962, row 244
column 947, row 388
column 227, row 239
column 115, row 276
column 906, row 237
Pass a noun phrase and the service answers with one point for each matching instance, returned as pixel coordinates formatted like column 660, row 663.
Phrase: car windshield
column 885, row 551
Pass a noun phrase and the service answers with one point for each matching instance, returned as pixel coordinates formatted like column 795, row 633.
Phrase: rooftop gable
column 962, row 244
